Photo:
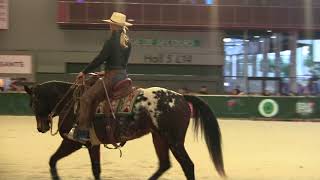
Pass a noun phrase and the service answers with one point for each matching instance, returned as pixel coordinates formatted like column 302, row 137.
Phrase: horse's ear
column 27, row 89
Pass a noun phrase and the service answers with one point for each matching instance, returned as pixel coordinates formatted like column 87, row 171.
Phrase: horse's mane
column 54, row 82
column 52, row 86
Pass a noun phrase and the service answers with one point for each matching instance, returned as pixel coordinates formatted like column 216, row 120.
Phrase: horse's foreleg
column 94, row 152
column 162, row 150
column 66, row 148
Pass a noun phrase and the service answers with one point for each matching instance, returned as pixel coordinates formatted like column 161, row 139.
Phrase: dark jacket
column 112, row 55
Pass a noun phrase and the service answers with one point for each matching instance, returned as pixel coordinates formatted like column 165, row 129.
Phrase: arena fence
column 265, row 107
column 250, row 107
column 14, row 104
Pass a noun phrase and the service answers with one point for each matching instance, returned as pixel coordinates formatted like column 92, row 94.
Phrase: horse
column 162, row 112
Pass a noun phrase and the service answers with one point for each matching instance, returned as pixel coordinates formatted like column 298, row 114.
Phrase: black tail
column 205, row 118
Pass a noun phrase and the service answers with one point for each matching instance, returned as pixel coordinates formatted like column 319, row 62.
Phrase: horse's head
column 44, row 99
column 40, row 107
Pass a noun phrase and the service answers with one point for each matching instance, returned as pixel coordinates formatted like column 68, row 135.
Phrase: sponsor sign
column 268, row 108
column 305, row 108
column 4, row 14
column 236, row 106
column 176, row 58
column 177, row 52
column 15, row 64
column 168, row 59
column 166, row 42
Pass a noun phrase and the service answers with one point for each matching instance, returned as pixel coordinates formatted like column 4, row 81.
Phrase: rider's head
column 118, row 21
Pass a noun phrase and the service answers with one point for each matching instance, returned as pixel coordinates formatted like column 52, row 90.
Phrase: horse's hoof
column 54, row 174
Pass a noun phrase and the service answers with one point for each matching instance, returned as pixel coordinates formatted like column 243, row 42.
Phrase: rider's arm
column 98, row 60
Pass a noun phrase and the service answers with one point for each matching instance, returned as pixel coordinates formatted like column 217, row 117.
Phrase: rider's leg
column 88, row 104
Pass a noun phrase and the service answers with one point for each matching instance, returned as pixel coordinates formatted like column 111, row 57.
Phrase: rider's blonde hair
column 124, row 38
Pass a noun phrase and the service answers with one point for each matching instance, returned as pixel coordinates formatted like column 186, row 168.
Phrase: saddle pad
column 122, row 105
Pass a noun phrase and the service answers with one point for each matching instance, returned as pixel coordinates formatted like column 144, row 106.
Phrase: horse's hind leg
column 183, row 158
column 94, row 152
column 66, row 148
column 162, row 150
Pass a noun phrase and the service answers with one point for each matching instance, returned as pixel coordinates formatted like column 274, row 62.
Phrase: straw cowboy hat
column 118, row 19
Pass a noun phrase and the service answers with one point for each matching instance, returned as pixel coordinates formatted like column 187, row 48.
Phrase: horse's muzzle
column 43, row 125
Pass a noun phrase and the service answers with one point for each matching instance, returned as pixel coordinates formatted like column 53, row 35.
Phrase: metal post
column 293, row 61
column 277, row 50
column 245, row 60
column 265, row 60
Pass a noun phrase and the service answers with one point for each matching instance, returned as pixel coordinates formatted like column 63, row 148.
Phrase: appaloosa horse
column 164, row 113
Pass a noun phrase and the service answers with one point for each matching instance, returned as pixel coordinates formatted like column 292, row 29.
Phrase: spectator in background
column 1, row 85
column 312, row 86
column 203, row 90
column 17, row 84
column 300, row 90
column 5, row 84
column 235, row 91
column 183, row 90
column 285, row 90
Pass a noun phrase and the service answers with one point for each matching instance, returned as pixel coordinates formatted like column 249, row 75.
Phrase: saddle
column 121, row 97
column 114, row 130
column 119, row 90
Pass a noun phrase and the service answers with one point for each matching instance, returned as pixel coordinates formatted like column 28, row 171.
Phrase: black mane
column 52, row 87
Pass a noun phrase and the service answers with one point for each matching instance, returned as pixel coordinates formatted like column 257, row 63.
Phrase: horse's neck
column 61, row 95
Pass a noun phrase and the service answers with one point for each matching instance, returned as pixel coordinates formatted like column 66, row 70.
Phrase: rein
column 115, row 145
column 53, row 112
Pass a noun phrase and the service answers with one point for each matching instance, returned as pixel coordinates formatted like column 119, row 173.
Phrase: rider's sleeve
column 99, row 59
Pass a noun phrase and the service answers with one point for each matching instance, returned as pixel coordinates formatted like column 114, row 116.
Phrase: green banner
column 14, row 104
column 251, row 107
column 265, row 107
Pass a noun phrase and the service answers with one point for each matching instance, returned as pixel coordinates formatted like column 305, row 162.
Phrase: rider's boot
column 79, row 135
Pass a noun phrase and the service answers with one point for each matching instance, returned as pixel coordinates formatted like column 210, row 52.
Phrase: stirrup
column 81, row 136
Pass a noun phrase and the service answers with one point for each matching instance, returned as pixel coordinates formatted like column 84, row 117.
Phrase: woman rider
column 114, row 54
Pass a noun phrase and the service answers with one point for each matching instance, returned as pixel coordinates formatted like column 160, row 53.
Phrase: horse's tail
column 206, row 120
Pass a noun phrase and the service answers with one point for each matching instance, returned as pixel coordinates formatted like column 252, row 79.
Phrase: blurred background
column 210, row 46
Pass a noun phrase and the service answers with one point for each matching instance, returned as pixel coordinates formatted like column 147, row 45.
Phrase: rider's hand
column 80, row 75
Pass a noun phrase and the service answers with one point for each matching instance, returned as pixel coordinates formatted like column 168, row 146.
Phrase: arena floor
column 253, row 150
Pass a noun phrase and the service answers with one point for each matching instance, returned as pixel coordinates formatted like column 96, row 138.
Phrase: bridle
column 53, row 112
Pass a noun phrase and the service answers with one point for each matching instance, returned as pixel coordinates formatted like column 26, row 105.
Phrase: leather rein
column 53, row 112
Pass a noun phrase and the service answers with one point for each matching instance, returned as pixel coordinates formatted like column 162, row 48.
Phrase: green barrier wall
column 14, row 104
column 265, row 107
column 224, row 106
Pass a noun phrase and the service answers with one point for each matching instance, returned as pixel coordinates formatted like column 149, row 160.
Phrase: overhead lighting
column 238, row 44
column 256, row 36
column 247, row 40
column 269, row 31
column 273, row 37
column 226, row 40
column 261, row 41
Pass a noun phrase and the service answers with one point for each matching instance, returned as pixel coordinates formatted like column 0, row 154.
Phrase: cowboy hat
column 118, row 19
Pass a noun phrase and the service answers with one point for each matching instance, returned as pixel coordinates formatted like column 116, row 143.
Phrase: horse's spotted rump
column 156, row 101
